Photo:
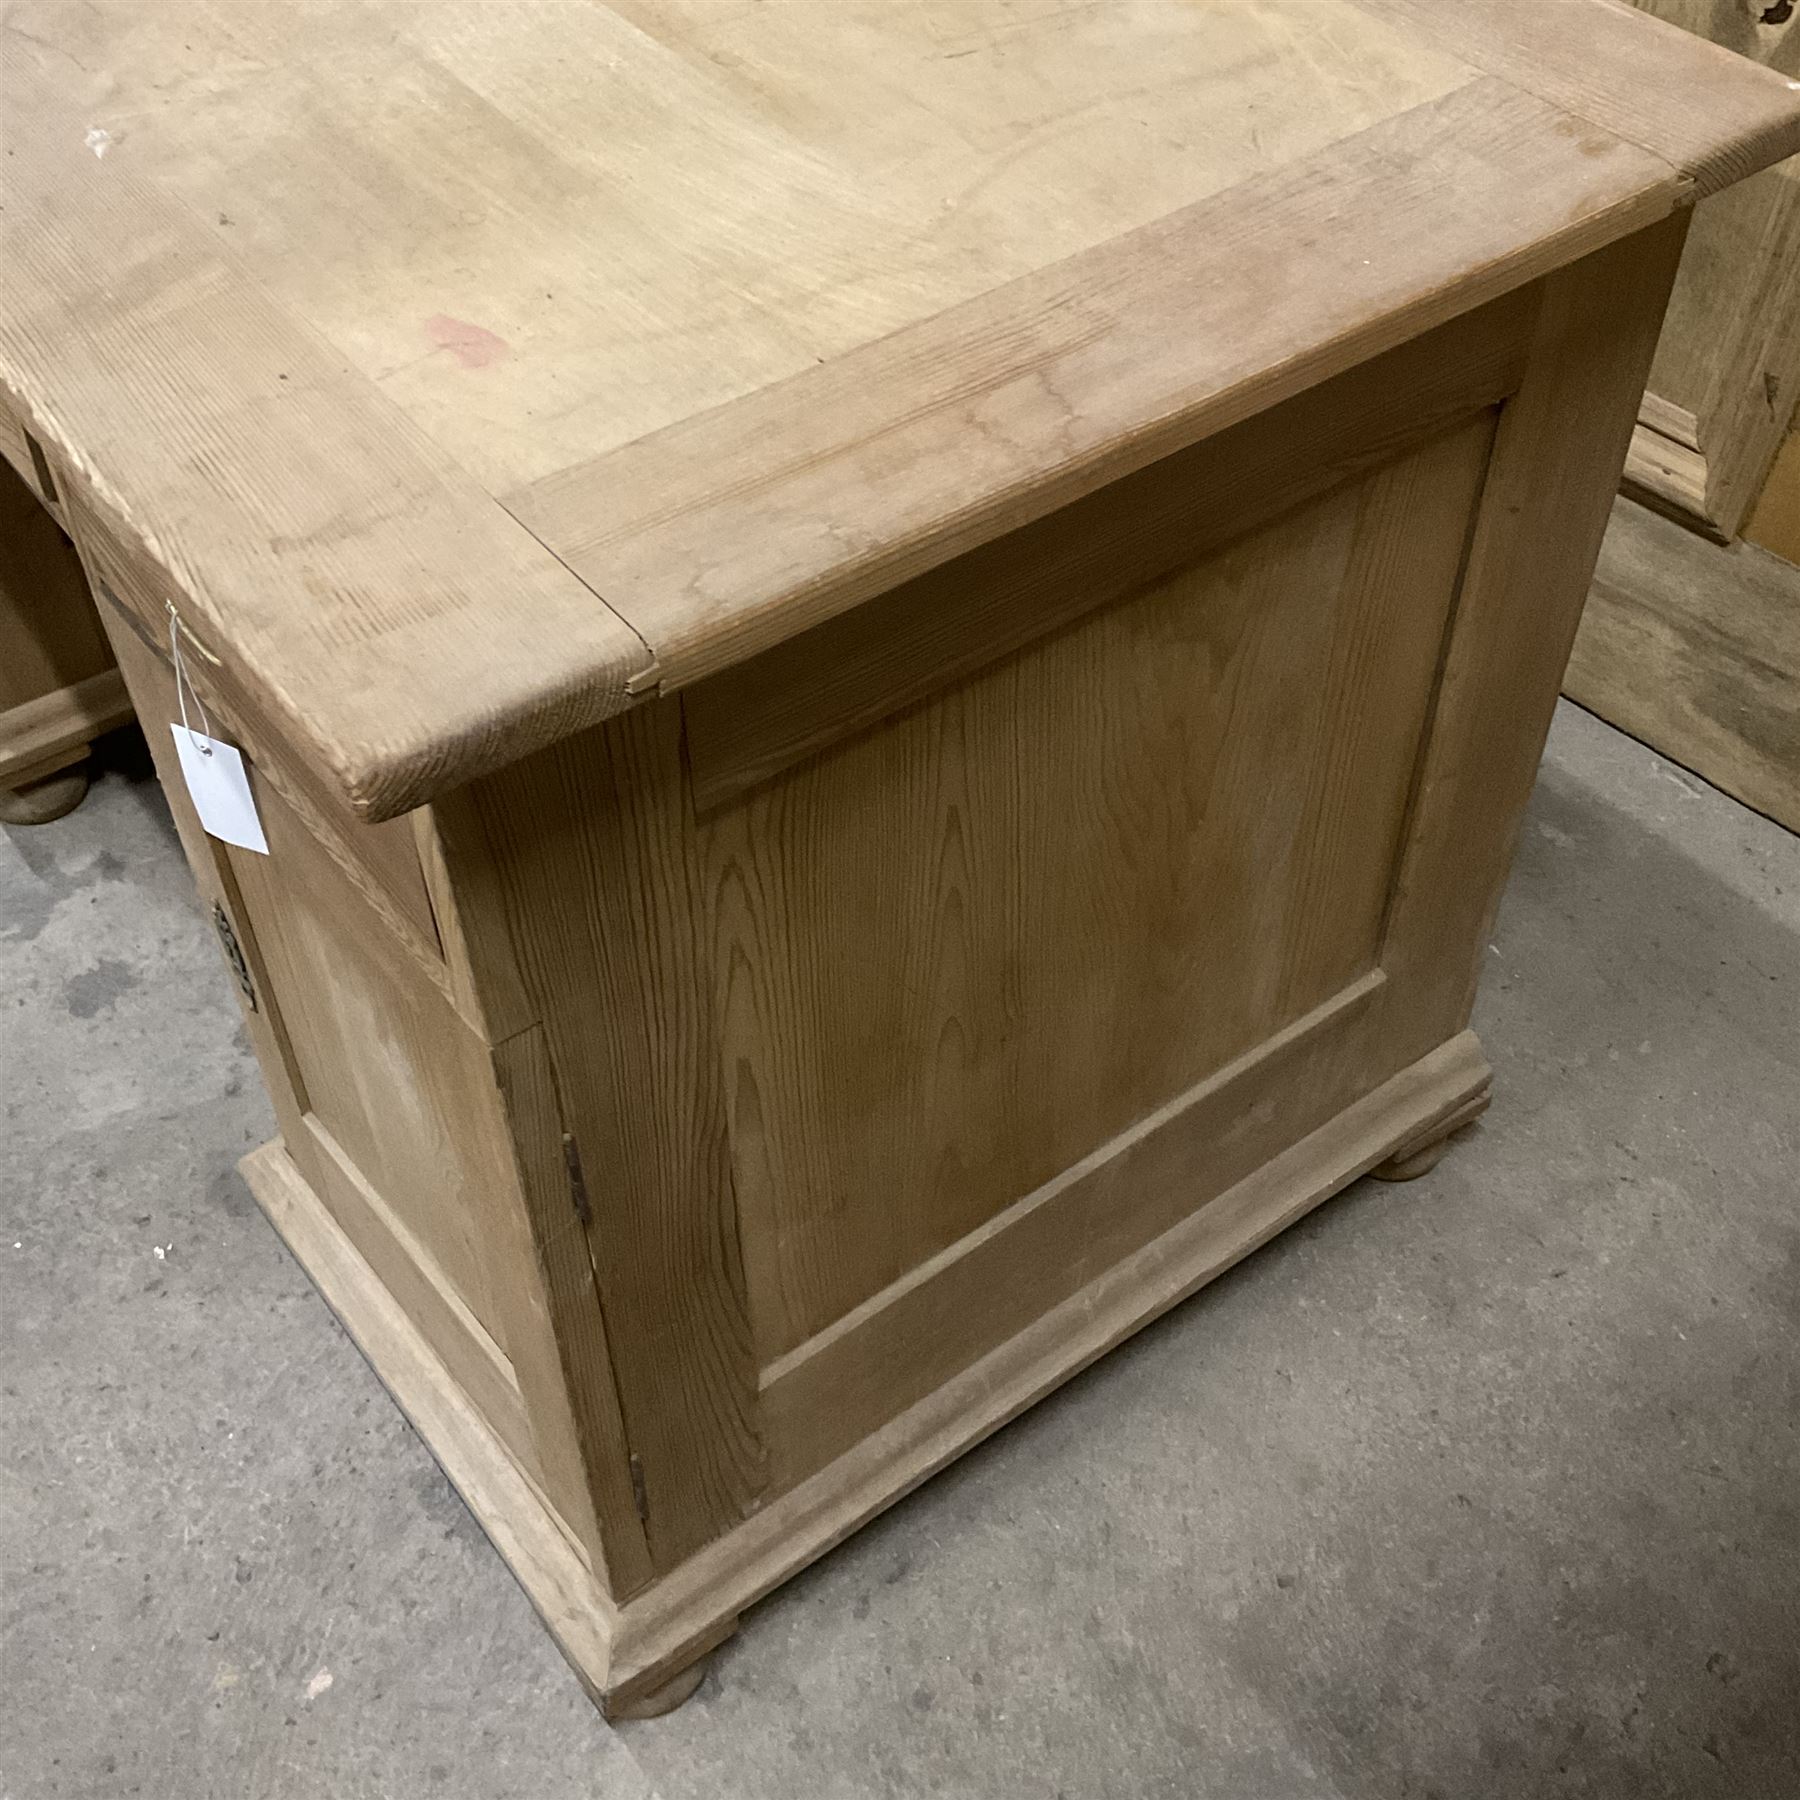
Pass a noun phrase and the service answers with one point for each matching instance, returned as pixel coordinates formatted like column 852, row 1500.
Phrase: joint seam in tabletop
column 719, row 498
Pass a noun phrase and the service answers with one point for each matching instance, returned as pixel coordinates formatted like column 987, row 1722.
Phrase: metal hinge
column 639, row 1498
column 578, row 1194
column 234, row 953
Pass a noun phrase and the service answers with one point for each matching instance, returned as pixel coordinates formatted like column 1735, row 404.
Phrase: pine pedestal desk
column 890, row 654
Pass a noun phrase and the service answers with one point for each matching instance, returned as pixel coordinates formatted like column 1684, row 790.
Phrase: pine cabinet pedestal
column 890, row 672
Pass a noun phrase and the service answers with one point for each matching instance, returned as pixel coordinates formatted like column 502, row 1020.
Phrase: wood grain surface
column 589, row 863
column 1556, row 463
column 363, row 591
column 754, row 719
column 577, row 1414
column 685, row 1611
column 546, row 231
column 727, row 533
column 1701, row 108
column 1070, row 888
column 748, row 314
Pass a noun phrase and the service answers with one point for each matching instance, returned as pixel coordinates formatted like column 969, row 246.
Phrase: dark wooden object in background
column 59, row 689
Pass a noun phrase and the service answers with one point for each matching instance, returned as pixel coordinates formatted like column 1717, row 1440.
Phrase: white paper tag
column 219, row 789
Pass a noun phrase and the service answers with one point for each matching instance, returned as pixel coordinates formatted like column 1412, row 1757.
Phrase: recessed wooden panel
column 954, row 956
column 396, row 1078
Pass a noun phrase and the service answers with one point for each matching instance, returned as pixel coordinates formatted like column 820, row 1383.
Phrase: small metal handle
column 234, row 952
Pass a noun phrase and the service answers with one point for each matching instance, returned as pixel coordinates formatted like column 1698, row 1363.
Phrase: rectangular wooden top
column 472, row 367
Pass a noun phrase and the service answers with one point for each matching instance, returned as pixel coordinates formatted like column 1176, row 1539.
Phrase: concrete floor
column 1487, row 1485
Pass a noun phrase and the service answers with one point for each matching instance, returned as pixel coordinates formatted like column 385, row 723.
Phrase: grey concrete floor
column 1486, row 1485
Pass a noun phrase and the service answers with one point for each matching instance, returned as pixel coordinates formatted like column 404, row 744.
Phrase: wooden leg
column 38, row 802
column 1420, row 1155
column 659, row 1700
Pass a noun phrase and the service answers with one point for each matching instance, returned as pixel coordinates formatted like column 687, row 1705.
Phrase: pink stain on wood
column 473, row 346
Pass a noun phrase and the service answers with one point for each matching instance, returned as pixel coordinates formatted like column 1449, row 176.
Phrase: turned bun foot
column 1420, row 1157
column 38, row 802
column 1413, row 1163
column 657, row 1701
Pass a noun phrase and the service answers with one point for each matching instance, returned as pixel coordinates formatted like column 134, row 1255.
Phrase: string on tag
column 184, row 687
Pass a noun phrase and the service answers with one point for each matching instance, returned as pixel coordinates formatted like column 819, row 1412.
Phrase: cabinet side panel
column 404, row 1202
column 391, row 1072
column 962, row 952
